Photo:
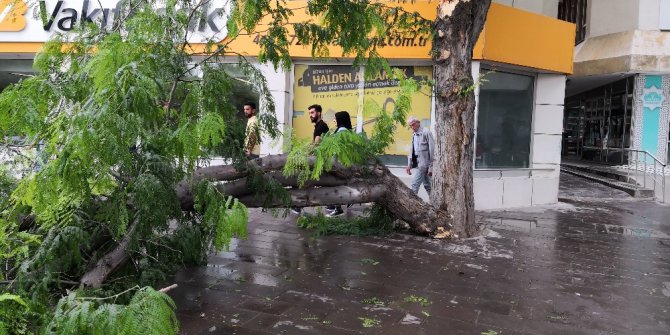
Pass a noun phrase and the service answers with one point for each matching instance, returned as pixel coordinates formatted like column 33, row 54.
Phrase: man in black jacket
column 320, row 128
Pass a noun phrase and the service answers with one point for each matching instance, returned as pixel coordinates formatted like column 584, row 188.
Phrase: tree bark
column 457, row 28
column 110, row 262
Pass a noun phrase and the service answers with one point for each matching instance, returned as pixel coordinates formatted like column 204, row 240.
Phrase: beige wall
column 615, row 16
column 612, row 16
column 544, row 7
column 649, row 14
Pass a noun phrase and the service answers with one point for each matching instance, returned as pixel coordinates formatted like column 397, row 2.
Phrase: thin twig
column 168, row 288
column 136, row 287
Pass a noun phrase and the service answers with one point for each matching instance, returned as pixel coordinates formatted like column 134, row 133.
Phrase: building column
column 547, row 133
column 279, row 84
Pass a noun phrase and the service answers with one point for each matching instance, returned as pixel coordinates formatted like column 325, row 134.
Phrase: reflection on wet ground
column 581, row 267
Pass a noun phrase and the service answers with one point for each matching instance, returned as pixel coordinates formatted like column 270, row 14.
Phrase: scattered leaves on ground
column 369, row 322
column 420, row 300
column 373, row 301
column 368, row 261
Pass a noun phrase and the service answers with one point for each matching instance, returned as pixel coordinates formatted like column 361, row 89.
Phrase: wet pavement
column 597, row 263
column 573, row 187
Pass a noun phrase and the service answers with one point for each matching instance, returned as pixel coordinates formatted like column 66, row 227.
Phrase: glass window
column 574, row 11
column 504, row 121
column 338, row 87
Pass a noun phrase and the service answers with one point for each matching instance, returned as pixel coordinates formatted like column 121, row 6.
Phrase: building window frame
column 574, row 11
column 485, row 68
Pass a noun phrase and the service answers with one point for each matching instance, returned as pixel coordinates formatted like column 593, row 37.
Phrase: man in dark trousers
column 421, row 156
column 320, row 128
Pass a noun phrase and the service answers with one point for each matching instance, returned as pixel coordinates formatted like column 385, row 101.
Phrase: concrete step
column 632, row 189
column 600, row 170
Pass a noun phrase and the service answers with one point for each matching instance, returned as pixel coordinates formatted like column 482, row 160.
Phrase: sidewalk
column 598, row 264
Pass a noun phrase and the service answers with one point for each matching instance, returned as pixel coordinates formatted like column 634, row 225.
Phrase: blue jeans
column 421, row 176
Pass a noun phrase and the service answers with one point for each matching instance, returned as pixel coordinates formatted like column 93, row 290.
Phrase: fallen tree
column 337, row 186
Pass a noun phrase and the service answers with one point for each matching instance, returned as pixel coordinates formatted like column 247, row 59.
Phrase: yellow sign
column 343, row 88
column 12, row 15
column 510, row 36
column 408, row 46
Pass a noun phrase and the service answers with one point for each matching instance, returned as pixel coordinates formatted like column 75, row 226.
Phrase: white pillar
column 279, row 83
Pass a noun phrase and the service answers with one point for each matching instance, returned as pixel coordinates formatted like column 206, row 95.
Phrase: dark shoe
column 337, row 212
column 296, row 210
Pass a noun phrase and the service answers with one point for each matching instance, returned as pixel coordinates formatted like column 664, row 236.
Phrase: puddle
column 282, row 323
column 410, row 319
column 604, row 228
column 311, row 296
column 491, row 233
column 478, row 267
column 219, row 271
column 560, row 207
column 515, row 224
column 479, row 246
column 262, row 279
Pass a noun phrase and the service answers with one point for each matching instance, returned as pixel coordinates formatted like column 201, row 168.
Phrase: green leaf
column 11, row 297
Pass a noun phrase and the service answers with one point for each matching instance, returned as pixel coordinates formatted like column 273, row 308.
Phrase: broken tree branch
column 110, row 262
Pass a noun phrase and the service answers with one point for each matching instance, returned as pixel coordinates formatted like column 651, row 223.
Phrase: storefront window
column 342, row 87
column 504, row 121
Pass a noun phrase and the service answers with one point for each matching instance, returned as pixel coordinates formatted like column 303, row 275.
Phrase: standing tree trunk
column 457, row 28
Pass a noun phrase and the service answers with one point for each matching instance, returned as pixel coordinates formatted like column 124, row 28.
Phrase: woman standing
column 342, row 123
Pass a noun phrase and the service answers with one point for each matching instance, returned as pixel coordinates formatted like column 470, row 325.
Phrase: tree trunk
column 339, row 186
column 457, row 28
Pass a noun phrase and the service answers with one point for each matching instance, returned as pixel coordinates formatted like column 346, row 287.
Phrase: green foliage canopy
column 114, row 118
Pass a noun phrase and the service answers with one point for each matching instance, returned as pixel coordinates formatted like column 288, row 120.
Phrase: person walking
column 251, row 141
column 342, row 123
column 320, row 128
column 421, row 157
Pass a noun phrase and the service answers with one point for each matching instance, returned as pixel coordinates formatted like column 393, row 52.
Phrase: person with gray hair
column 421, row 155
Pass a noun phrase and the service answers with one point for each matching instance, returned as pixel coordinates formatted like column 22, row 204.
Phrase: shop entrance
column 12, row 70
column 597, row 124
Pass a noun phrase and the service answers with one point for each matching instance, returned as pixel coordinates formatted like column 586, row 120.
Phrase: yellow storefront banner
column 407, row 46
column 343, row 88
column 510, row 36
